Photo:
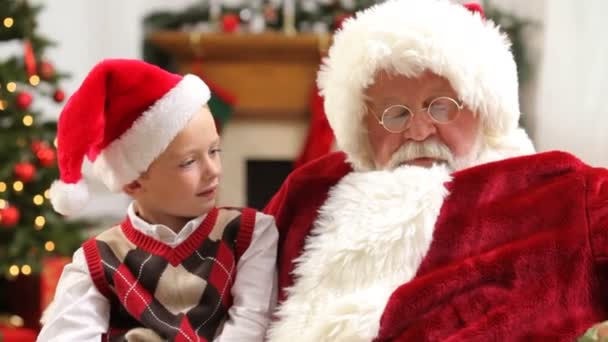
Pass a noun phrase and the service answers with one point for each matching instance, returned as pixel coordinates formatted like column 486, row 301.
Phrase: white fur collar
column 370, row 237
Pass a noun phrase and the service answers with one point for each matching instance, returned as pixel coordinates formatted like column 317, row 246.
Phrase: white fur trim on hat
column 126, row 158
column 68, row 199
column 408, row 37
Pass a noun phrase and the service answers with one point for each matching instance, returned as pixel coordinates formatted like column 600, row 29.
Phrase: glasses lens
column 444, row 109
column 395, row 118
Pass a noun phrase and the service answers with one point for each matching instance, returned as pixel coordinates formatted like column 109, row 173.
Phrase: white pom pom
column 68, row 199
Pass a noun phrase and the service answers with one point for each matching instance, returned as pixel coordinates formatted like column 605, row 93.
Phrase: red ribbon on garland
column 29, row 58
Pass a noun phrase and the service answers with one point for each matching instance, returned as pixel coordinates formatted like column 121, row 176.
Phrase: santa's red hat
column 123, row 116
column 408, row 37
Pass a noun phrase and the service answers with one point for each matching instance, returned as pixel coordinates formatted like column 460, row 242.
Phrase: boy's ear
column 132, row 188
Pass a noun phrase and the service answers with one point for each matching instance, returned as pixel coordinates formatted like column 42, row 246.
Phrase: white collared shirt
column 80, row 312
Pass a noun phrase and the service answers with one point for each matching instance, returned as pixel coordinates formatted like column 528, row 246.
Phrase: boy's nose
column 212, row 169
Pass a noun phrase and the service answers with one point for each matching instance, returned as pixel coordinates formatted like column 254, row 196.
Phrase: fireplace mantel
column 271, row 74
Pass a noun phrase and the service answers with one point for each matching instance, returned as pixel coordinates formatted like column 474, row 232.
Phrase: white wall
column 572, row 106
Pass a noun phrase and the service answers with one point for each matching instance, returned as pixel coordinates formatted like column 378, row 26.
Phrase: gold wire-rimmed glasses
column 442, row 110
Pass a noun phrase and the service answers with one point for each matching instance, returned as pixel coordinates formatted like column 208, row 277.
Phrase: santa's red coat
column 519, row 251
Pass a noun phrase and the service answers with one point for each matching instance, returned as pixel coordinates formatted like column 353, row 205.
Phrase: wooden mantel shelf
column 271, row 74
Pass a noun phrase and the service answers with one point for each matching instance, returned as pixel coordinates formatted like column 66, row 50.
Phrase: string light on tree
column 39, row 222
column 38, row 200
column 13, row 270
column 26, row 270
column 2, row 187
column 8, row 22
column 3, row 104
column 34, row 80
column 28, row 120
column 3, row 204
column 49, row 246
column 11, row 87
column 18, row 186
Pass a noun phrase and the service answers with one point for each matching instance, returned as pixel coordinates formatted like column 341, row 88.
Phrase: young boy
column 177, row 268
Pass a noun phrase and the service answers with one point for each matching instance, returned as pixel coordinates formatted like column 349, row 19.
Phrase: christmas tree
column 30, row 231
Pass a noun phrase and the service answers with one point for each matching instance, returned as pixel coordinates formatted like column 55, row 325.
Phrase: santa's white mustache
column 431, row 148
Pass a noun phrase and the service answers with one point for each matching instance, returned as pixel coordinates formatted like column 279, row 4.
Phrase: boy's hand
column 597, row 333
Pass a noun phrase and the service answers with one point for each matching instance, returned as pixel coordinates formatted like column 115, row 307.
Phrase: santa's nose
column 421, row 127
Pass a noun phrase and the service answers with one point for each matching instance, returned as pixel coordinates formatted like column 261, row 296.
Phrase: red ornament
column 29, row 58
column 46, row 156
column 24, row 100
column 46, row 70
column 37, row 145
column 24, row 171
column 59, row 96
column 230, row 23
column 270, row 14
column 9, row 216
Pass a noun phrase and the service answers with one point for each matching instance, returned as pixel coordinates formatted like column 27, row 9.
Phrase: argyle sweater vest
column 175, row 294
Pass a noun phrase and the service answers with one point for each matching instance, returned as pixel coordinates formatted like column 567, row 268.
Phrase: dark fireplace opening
column 264, row 178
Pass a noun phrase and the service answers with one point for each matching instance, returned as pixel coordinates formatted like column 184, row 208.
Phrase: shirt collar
column 161, row 232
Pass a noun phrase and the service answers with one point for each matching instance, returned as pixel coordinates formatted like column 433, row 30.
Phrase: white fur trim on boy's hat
column 125, row 159
column 408, row 37
column 68, row 198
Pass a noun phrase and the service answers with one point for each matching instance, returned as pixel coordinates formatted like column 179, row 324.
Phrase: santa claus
column 436, row 221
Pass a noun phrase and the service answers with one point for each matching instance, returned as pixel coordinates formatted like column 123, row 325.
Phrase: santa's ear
column 132, row 188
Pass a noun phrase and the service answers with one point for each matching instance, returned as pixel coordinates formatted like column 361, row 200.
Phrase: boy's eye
column 186, row 163
column 215, row 151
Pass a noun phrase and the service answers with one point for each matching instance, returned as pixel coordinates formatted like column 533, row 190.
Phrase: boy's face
column 182, row 182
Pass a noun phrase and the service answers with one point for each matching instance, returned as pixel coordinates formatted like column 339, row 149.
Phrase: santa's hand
column 597, row 333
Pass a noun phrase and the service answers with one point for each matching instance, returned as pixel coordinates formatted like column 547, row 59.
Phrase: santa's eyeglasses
column 442, row 110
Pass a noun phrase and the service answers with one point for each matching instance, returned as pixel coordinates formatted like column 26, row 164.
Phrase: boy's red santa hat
column 123, row 116
column 410, row 36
